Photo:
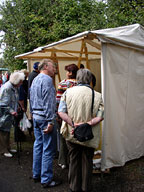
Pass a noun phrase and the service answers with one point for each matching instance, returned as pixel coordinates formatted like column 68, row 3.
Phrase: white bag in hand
column 25, row 123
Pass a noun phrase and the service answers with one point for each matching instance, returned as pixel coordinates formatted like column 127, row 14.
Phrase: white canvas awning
column 72, row 47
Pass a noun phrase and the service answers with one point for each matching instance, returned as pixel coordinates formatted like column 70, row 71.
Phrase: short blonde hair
column 16, row 77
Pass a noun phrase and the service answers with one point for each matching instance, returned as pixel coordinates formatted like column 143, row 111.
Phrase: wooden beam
column 91, row 36
column 49, row 57
column 72, row 41
column 55, row 60
column 93, row 44
column 69, row 51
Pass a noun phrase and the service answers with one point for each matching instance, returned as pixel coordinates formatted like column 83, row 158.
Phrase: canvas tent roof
column 129, row 36
column 71, row 47
column 122, row 65
column 68, row 48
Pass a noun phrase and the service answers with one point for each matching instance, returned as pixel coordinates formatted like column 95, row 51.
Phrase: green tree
column 29, row 24
column 72, row 17
column 1, row 62
column 25, row 24
column 124, row 12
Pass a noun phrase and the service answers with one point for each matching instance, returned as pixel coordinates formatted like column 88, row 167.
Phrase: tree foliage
column 73, row 16
column 124, row 12
column 26, row 26
column 32, row 23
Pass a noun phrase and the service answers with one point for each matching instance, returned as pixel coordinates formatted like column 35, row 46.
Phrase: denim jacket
column 43, row 98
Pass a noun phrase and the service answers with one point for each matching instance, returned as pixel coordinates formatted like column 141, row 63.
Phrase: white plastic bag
column 25, row 123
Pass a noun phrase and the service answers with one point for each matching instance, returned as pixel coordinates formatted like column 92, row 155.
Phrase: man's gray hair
column 16, row 77
column 43, row 63
column 84, row 76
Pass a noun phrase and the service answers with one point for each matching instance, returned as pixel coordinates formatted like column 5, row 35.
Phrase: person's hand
column 72, row 131
column 77, row 124
column 14, row 113
column 24, row 110
column 73, row 127
column 48, row 129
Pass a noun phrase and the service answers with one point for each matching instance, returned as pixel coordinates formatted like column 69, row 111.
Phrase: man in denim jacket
column 43, row 103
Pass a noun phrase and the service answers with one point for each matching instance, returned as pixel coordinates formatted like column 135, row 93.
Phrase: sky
column 1, row 1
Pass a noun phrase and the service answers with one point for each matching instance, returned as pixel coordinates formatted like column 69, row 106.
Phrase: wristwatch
column 73, row 124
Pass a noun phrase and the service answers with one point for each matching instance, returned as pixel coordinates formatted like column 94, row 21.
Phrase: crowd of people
column 55, row 115
column 4, row 77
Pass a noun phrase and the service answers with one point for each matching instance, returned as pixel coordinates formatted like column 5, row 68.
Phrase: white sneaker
column 63, row 166
column 13, row 150
column 8, row 155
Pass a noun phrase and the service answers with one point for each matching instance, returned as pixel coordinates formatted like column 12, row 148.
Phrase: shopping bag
column 25, row 123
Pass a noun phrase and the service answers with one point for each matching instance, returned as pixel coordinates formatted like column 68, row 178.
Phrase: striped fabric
column 63, row 85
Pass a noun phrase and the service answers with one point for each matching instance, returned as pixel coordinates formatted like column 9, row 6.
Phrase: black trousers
column 80, row 167
column 63, row 153
column 19, row 135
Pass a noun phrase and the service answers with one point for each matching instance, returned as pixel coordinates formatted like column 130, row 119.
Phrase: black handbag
column 84, row 132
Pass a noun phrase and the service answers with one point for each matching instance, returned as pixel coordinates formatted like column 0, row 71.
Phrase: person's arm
column 48, row 129
column 99, row 116
column 66, row 118
column 6, row 100
column 21, row 102
column 48, row 95
column 95, row 121
column 62, row 110
column 21, row 97
column 61, row 89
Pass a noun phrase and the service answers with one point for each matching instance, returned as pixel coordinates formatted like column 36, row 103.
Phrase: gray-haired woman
column 75, row 109
column 8, row 108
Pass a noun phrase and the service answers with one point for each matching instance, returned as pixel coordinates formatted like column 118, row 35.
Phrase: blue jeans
column 42, row 152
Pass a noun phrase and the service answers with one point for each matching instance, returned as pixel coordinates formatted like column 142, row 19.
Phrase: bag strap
column 92, row 102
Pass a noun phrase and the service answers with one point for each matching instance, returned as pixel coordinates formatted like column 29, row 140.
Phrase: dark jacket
column 31, row 77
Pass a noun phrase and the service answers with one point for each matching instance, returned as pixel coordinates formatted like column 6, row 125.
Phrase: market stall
column 116, row 57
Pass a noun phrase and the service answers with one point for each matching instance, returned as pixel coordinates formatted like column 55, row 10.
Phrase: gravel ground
column 16, row 176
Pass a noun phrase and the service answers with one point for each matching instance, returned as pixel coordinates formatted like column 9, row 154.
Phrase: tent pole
column 81, row 52
column 86, row 55
column 54, row 58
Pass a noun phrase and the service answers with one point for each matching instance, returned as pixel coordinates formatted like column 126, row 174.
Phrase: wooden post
column 86, row 55
column 54, row 58
column 81, row 52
